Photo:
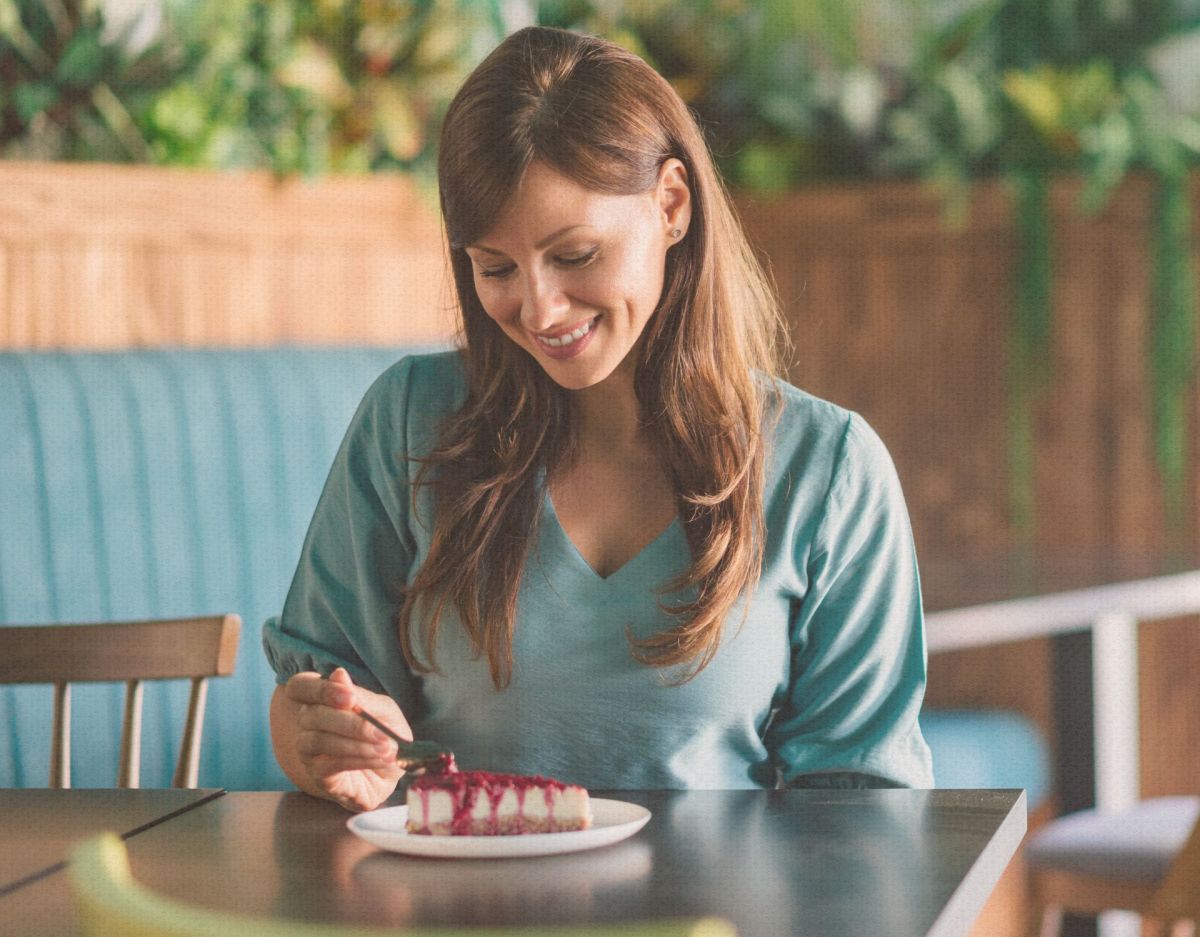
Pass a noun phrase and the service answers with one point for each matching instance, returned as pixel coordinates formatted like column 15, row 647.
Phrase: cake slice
column 481, row 803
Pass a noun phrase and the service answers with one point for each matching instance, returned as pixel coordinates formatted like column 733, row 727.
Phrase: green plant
column 1074, row 88
column 384, row 71
column 77, row 85
column 310, row 86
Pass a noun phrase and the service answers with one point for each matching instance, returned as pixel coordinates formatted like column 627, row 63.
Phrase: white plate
column 612, row 821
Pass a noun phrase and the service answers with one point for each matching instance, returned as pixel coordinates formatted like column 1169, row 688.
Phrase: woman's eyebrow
column 539, row 245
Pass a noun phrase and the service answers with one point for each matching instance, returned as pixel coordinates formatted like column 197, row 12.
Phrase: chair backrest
column 109, row 901
column 129, row 652
column 1179, row 897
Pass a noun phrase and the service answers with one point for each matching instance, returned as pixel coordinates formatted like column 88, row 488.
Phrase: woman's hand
column 327, row 749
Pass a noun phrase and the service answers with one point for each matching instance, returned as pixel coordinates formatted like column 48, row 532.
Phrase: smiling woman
column 602, row 540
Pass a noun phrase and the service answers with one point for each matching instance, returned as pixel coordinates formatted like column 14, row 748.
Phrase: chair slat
column 136, row 650
column 129, row 774
column 60, row 740
column 187, row 769
column 1179, row 897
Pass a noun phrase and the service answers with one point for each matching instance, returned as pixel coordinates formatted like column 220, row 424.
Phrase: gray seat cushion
column 1135, row 845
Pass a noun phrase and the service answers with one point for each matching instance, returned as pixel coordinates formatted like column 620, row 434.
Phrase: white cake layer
column 567, row 805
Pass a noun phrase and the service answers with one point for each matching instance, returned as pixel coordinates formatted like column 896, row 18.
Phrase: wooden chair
column 195, row 648
column 1143, row 860
column 109, row 902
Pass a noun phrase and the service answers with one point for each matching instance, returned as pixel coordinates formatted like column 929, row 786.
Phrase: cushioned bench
column 149, row 484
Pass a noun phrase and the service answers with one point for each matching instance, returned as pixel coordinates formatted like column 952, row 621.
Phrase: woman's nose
column 544, row 304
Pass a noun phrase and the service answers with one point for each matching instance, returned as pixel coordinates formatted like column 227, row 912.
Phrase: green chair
column 109, row 902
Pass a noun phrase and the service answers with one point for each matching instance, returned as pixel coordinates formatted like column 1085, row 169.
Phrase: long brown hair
column 602, row 117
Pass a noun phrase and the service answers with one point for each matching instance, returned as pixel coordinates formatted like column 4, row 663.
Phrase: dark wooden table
column 776, row 863
column 39, row 826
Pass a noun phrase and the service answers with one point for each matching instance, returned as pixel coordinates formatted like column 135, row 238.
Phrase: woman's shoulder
column 425, row 373
column 422, row 382
column 405, row 404
column 810, row 430
column 794, row 410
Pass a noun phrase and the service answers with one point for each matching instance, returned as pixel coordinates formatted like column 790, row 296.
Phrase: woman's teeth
column 570, row 337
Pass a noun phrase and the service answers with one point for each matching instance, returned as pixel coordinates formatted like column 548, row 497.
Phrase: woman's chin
column 576, row 374
column 573, row 378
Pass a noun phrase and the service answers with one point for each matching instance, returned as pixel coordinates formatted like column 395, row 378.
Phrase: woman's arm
column 339, row 613
column 858, row 665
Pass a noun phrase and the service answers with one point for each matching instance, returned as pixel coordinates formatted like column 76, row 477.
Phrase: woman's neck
column 609, row 414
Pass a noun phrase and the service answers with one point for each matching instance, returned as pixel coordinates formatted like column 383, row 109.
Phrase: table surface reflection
column 775, row 863
column 38, row 831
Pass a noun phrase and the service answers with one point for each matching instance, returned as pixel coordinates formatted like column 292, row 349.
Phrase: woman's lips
column 569, row 344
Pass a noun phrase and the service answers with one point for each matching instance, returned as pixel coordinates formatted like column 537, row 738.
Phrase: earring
column 675, row 232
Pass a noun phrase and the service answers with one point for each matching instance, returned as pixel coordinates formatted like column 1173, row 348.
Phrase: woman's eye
column 578, row 260
column 500, row 272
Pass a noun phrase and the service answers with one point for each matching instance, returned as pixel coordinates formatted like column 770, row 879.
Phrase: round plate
column 612, row 821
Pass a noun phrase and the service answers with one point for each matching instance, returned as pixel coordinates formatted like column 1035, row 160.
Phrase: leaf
column 312, row 68
column 34, row 97
column 1035, row 95
column 764, row 167
column 395, row 120
column 12, row 29
column 787, row 111
column 83, row 61
column 860, row 103
column 828, row 23
column 119, row 121
column 10, row 17
column 978, row 125
column 1187, row 131
column 956, row 38
column 1112, row 147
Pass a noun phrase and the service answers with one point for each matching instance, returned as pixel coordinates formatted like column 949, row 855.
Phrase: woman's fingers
column 308, row 687
column 333, row 739
column 338, row 691
column 325, row 766
column 341, row 722
column 314, row 743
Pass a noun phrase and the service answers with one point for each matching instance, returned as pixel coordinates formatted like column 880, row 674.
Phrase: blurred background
column 979, row 215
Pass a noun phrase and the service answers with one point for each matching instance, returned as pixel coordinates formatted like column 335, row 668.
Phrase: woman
column 601, row 541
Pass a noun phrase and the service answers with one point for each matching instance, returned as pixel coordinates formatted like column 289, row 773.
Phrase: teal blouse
column 825, row 675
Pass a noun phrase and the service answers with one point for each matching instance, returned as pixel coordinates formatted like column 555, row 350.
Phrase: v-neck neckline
column 552, row 514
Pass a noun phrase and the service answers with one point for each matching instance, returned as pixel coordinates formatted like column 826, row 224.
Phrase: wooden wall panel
column 120, row 256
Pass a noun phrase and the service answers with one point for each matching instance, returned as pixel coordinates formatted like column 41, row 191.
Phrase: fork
column 411, row 756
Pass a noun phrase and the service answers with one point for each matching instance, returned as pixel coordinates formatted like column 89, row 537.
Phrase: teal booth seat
column 173, row 483
column 987, row 748
column 158, row 484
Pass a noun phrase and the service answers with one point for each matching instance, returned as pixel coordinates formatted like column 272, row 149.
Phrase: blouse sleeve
column 342, row 605
column 857, row 634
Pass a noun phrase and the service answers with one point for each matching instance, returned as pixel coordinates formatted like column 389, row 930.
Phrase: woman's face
column 572, row 275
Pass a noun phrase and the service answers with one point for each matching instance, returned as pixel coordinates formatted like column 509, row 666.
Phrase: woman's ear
column 674, row 198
